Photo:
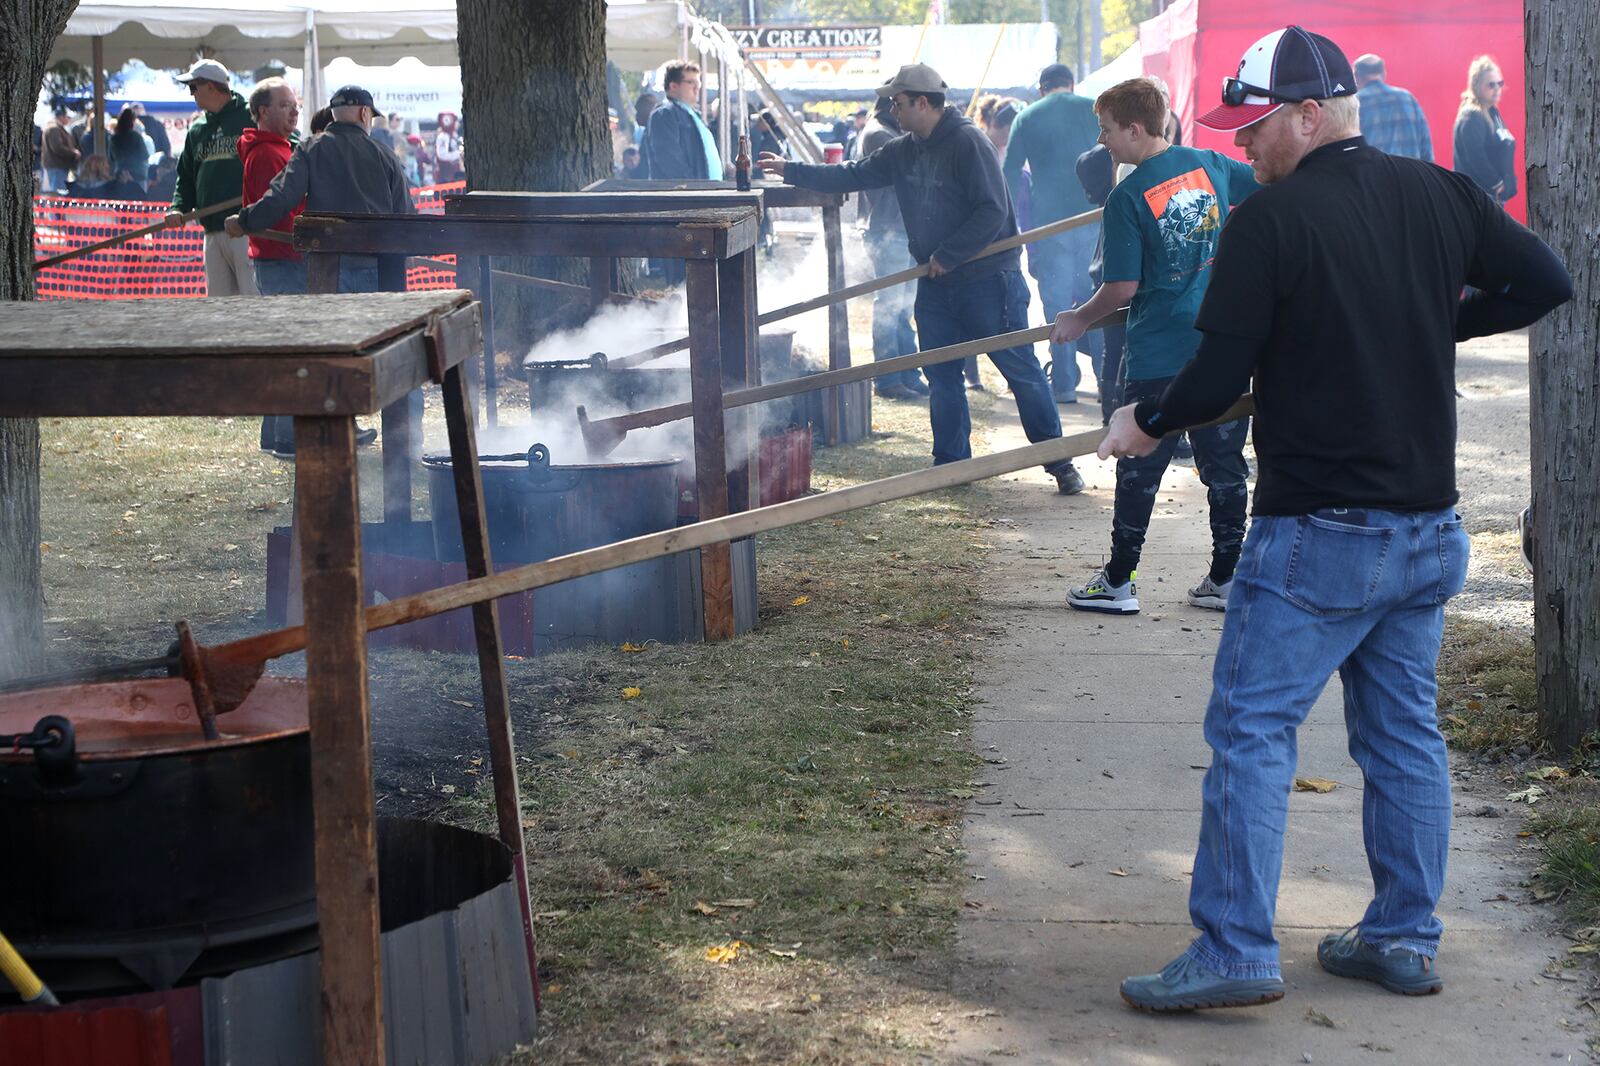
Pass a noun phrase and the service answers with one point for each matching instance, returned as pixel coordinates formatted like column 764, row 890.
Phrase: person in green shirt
column 1161, row 223
column 209, row 172
column 1048, row 137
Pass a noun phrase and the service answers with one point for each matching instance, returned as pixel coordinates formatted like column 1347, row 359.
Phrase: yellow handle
column 22, row 977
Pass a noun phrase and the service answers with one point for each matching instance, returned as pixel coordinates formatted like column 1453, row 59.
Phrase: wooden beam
column 838, row 325
column 621, row 202
column 711, row 233
column 710, row 449
column 741, row 368
column 346, row 847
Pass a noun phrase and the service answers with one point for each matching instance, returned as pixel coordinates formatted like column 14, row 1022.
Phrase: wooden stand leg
column 397, row 448
column 741, row 368
column 486, row 631
column 491, row 387
column 710, row 452
column 602, row 280
column 838, row 324
column 322, row 275
column 346, row 846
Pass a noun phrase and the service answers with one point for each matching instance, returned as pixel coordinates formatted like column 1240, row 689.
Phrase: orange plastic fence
column 166, row 263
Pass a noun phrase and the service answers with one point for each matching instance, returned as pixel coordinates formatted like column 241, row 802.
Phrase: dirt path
column 1080, row 847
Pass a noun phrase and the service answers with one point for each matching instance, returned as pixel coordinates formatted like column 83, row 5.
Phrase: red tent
column 1426, row 44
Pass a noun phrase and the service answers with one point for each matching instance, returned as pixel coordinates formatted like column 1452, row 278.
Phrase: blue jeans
column 1061, row 266
column 892, row 334
column 1361, row 592
column 951, row 310
column 54, row 180
column 280, row 277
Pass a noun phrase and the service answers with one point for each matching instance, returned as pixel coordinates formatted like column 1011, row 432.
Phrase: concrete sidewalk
column 1081, row 844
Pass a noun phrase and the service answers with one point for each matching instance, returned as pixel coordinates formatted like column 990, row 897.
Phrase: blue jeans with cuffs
column 1363, row 593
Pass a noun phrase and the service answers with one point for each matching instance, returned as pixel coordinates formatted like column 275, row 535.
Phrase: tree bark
column 28, row 31
column 534, row 105
column 1563, row 37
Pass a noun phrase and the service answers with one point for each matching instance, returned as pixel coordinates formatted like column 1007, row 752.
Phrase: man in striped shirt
column 1391, row 119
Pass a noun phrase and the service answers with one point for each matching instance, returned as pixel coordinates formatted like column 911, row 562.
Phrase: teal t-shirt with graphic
column 1161, row 227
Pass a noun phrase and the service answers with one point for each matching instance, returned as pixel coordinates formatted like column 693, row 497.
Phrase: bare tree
column 534, row 104
column 1563, row 37
column 28, row 31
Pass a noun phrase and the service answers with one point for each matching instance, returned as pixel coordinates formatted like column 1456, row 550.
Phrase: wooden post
column 833, row 400
column 602, row 280
column 491, row 409
column 458, row 417
column 741, row 368
column 97, row 54
column 397, row 448
column 710, row 453
column 346, row 847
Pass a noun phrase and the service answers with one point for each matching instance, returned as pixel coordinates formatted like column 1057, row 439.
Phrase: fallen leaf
column 1319, row 785
column 1547, row 773
column 722, row 954
column 1118, row 872
column 1583, row 949
column 896, row 910
column 230, row 547
column 570, row 753
column 845, row 642
column 700, row 906
column 631, row 692
column 735, row 903
column 551, row 989
column 1530, row 795
column 633, row 649
column 782, row 954
column 550, row 916
column 1316, row 1017
column 799, row 601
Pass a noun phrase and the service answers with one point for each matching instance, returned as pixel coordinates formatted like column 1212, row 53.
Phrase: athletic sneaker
column 1410, row 973
column 1101, row 595
column 1210, row 594
column 1186, row 985
column 1068, row 481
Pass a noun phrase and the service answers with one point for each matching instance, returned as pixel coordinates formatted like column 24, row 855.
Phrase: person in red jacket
column 264, row 151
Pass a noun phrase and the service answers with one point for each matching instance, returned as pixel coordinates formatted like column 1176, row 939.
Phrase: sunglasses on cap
column 1235, row 91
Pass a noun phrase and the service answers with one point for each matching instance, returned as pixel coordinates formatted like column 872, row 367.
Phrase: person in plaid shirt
column 1391, row 119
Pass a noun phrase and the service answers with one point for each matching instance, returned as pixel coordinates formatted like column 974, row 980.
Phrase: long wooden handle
column 777, row 390
column 899, row 277
column 189, row 216
column 712, row 531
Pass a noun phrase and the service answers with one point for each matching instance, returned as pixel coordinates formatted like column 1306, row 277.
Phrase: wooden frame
column 717, row 239
column 843, row 423
column 323, row 359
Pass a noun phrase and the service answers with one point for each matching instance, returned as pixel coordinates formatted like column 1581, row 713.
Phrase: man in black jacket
column 1336, row 290
column 954, row 203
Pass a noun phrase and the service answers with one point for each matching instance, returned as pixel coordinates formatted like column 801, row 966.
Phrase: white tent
column 244, row 34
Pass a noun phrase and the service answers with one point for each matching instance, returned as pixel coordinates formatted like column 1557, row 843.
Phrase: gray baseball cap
column 914, row 78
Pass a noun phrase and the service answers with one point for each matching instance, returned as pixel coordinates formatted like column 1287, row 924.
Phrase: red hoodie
column 263, row 155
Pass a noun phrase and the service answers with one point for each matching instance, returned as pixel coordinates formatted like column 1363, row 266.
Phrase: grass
column 1488, row 692
column 788, row 802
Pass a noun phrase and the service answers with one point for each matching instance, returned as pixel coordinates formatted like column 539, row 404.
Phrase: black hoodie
column 951, row 192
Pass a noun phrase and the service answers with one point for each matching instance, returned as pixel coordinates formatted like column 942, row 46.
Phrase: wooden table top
column 343, row 324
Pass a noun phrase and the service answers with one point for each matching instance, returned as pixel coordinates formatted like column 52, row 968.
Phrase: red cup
column 833, row 153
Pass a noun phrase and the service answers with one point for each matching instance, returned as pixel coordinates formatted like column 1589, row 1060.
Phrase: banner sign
column 787, row 43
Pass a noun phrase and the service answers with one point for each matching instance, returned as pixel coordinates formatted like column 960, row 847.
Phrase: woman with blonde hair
column 1485, row 150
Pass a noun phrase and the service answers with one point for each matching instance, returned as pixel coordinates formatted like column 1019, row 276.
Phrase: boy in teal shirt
column 1161, row 227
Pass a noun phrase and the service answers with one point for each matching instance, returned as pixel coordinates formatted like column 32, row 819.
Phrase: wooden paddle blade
column 600, row 438
column 229, row 673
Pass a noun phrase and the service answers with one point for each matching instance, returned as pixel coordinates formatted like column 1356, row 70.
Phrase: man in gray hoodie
column 954, row 202
column 341, row 171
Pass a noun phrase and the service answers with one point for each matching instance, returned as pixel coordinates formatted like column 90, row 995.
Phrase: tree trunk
column 28, row 31
column 1563, row 37
column 534, row 106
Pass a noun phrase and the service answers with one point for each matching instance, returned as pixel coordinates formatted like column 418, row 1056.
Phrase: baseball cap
column 1055, row 76
column 351, row 96
column 207, row 70
column 914, row 78
column 1284, row 67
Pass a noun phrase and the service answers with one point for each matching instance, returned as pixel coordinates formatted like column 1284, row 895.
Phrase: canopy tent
column 1426, row 44
column 243, row 34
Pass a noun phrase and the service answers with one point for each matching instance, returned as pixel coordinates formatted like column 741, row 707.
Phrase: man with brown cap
column 954, row 202
column 1336, row 290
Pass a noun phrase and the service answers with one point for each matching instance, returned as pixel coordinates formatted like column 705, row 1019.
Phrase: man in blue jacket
column 954, row 202
column 677, row 142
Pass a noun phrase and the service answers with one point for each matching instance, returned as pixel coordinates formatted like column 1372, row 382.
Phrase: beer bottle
column 741, row 164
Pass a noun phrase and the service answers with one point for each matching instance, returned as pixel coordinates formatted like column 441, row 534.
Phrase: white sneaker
column 1100, row 595
column 1211, row 595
